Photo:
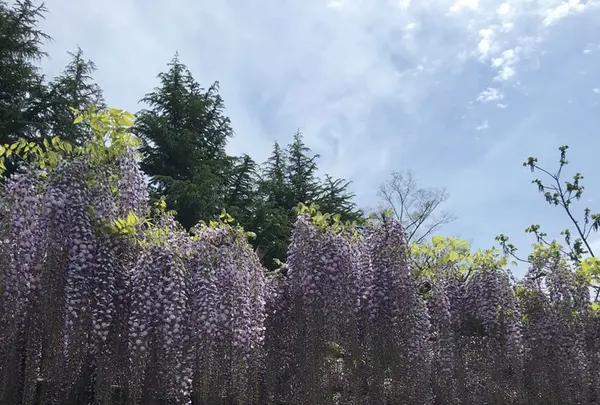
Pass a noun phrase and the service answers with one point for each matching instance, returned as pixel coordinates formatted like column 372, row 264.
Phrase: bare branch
column 416, row 208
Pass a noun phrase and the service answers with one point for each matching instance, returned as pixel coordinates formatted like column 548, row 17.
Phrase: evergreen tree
column 242, row 191
column 289, row 178
column 74, row 88
column 273, row 228
column 273, row 213
column 301, row 172
column 274, row 185
column 22, row 91
column 185, row 134
column 336, row 198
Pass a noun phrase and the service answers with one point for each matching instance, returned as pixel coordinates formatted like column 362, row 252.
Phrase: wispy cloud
column 375, row 86
column 490, row 94
column 560, row 11
column 482, row 126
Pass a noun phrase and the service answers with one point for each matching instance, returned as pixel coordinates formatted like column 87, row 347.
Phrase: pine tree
column 335, row 198
column 274, row 185
column 289, row 178
column 74, row 88
column 242, row 191
column 185, row 134
column 273, row 229
column 22, row 91
column 273, row 209
column 301, row 172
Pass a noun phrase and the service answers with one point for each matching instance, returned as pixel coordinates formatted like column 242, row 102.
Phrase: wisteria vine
column 103, row 299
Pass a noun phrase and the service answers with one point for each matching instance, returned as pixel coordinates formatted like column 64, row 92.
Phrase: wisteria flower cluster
column 104, row 302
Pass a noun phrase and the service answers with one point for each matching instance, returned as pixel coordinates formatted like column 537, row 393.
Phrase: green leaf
column 454, row 256
column 132, row 219
column 437, row 239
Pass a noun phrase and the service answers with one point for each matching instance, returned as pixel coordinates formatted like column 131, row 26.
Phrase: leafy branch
column 562, row 194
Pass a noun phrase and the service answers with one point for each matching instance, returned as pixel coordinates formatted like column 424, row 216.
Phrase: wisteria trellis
column 172, row 317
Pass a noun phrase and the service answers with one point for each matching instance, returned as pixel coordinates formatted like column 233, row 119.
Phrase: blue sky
column 461, row 92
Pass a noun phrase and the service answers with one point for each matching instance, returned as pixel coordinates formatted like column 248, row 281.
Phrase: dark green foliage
column 272, row 209
column 289, row 177
column 74, row 88
column 242, row 190
column 273, row 229
column 273, row 185
column 185, row 134
column 335, row 197
column 301, row 172
column 30, row 108
column 22, row 91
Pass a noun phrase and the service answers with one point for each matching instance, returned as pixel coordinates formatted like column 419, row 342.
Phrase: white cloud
column 460, row 5
column 506, row 63
column 596, row 90
column 410, row 26
column 490, row 94
column 561, row 11
column 485, row 42
column 484, row 125
column 503, row 9
column 335, row 4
